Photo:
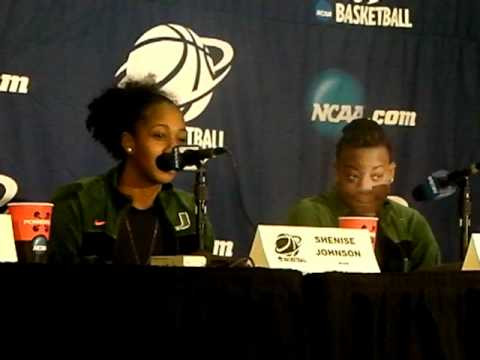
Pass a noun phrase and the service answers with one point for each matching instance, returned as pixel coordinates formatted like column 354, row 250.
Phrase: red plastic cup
column 31, row 228
column 360, row 222
column 30, row 219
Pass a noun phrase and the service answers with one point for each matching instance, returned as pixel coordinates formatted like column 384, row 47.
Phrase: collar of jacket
column 108, row 206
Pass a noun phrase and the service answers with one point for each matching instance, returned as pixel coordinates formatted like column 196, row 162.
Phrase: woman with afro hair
column 132, row 212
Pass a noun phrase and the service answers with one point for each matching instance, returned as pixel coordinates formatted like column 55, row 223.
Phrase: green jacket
column 93, row 208
column 402, row 232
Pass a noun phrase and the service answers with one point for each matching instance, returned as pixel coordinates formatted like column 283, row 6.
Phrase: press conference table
column 253, row 313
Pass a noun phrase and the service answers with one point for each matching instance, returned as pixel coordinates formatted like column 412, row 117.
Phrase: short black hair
column 362, row 133
column 119, row 108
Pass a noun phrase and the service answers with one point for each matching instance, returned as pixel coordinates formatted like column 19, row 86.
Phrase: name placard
column 313, row 249
column 8, row 253
column 472, row 261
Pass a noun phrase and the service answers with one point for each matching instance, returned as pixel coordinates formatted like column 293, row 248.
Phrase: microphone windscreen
column 425, row 192
column 166, row 162
column 39, row 243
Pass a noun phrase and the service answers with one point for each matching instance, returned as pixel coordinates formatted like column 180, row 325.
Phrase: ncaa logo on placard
column 287, row 244
column 185, row 65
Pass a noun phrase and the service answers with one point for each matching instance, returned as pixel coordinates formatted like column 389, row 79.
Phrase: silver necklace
column 132, row 243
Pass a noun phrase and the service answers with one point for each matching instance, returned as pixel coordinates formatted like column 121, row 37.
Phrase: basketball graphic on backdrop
column 182, row 63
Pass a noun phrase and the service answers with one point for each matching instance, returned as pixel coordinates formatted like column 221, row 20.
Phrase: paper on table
column 7, row 241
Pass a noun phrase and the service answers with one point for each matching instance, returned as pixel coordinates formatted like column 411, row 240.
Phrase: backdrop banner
column 274, row 81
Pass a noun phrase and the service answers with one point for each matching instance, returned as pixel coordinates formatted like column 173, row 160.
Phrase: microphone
column 441, row 183
column 437, row 187
column 183, row 155
column 39, row 249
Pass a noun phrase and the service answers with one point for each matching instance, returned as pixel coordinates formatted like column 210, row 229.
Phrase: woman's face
column 363, row 178
column 158, row 132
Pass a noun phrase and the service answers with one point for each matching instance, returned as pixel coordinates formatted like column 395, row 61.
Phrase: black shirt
column 143, row 233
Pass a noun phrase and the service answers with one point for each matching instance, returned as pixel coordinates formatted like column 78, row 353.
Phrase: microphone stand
column 201, row 196
column 465, row 212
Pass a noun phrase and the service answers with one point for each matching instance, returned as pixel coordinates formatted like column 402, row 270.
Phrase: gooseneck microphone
column 442, row 184
column 183, row 156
